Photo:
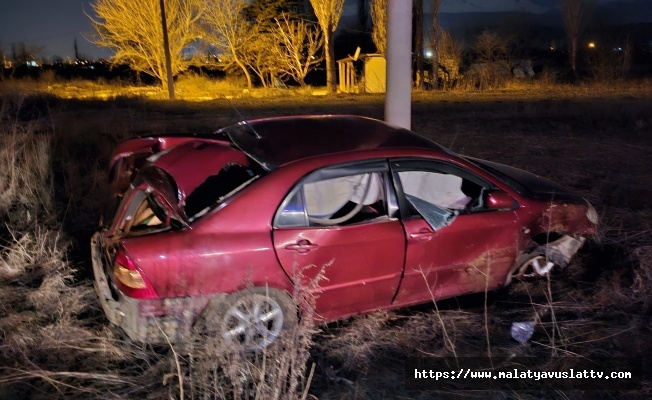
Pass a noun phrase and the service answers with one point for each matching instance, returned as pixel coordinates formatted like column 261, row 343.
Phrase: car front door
column 341, row 224
column 455, row 244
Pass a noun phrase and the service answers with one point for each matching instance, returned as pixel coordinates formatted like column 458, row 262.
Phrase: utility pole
column 398, row 107
column 166, row 47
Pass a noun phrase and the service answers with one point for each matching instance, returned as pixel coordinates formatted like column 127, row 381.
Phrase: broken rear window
column 216, row 188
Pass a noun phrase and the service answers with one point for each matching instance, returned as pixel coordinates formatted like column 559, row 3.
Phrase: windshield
column 508, row 180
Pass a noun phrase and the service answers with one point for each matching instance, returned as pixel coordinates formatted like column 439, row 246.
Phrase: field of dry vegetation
column 56, row 343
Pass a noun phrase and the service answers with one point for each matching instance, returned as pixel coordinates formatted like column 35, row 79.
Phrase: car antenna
column 243, row 120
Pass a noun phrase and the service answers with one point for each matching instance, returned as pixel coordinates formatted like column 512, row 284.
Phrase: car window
column 443, row 190
column 439, row 192
column 216, row 188
column 145, row 214
column 341, row 200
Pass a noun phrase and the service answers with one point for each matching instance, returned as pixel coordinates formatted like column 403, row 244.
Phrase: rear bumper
column 154, row 321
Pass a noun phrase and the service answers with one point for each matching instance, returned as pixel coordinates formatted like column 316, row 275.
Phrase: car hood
column 527, row 183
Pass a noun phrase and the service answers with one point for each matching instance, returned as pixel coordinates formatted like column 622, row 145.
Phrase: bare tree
column 21, row 54
column 4, row 62
column 328, row 13
column 229, row 30
column 379, row 21
column 435, row 40
column 490, row 46
column 261, row 54
column 260, row 57
column 449, row 59
column 133, row 30
column 363, row 15
column 297, row 50
column 576, row 17
column 417, row 8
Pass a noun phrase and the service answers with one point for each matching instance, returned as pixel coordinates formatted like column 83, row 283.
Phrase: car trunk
column 150, row 205
column 165, row 183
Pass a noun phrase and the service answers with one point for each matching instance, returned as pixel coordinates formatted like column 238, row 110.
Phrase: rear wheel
column 253, row 318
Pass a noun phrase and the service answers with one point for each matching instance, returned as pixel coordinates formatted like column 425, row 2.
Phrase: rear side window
column 339, row 196
column 338, row 201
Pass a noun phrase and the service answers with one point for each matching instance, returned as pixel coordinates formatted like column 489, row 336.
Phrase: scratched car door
column 455, row 245
column 340, row 222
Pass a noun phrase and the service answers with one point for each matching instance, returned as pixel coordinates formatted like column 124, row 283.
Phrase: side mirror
column 499, row 200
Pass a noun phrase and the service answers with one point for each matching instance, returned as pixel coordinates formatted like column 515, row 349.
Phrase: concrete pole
column 398, row 99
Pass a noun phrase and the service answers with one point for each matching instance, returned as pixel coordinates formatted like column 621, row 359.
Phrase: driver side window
column 439, row 192
column 336, row 201
column 444, row 190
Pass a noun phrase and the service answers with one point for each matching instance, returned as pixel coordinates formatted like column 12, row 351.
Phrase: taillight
column 125, row 271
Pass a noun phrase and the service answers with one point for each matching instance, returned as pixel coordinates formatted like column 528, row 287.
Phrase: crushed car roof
column 273, row 142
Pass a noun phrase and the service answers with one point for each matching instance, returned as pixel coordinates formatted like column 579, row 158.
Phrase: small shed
column 372, row 77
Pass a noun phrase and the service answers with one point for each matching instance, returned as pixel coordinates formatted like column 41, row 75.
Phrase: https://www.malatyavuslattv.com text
column 524, row 373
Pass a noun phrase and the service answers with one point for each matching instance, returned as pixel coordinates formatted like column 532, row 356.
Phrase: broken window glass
column 216, row 188
column 440, row 196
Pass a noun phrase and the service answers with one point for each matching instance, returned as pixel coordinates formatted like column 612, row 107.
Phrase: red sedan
column 218, row 226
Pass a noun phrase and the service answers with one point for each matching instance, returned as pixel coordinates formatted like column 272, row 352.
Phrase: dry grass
column 54, row 342
column 25, row 185
column 218, row 369
column 593, row 138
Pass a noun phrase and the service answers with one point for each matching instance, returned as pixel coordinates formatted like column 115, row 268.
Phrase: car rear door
column 455, row 245
column 342, row 222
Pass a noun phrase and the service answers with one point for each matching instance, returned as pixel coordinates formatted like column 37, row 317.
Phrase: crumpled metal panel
column 567, row 218
column 562, row 250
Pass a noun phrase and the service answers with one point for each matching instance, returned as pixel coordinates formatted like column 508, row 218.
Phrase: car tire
column 252, row 319
column 525, row 268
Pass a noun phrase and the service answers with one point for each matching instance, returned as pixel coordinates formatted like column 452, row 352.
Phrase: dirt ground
column 597, row 141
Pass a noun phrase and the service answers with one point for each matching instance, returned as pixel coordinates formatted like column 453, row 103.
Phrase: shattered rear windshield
column 216, row 188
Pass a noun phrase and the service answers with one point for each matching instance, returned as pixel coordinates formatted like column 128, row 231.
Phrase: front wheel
column 529, row 266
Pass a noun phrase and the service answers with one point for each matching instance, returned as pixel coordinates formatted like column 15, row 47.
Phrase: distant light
column 618, row 49
column 428, row 53
column 552, row 48
column 591, row 45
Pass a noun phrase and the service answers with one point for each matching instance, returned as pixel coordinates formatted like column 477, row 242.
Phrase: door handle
column 302, row 246
column 423, row 235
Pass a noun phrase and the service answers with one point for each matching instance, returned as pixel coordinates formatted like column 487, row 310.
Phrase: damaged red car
column 217, row 226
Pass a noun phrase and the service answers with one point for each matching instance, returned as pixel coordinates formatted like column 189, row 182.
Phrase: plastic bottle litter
column 522, row 331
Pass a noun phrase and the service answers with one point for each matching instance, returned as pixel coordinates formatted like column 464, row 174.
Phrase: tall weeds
column 56, row 343
column 25, row 185
column 218, row 369
column 54, row 340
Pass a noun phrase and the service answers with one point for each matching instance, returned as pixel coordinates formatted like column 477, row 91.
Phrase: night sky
column 53, row 25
